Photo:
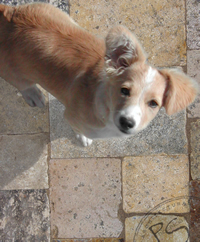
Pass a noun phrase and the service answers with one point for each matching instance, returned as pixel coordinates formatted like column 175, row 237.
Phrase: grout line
column 24, row 134
column 121, row 213
column 48, row 169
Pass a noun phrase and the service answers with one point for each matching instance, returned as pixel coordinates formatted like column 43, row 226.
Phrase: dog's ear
column 7, row 11
column 181, row 90
column 122, row 48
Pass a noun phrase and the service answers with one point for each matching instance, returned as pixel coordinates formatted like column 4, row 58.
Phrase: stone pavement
column 143, row 188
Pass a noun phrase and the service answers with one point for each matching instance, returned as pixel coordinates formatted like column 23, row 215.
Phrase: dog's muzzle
column 126, row 124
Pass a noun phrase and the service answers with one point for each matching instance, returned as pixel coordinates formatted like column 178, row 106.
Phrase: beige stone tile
column 152, row 228
column 85, row 196
column 16, row 116
column 23, row 162
column 193, row 70
column 166, row 134
column 149, row 180
column 193, row 24
column 195, row 149
column 160, row 26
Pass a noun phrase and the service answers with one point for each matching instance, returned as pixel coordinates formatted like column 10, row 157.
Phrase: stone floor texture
column 143, row 188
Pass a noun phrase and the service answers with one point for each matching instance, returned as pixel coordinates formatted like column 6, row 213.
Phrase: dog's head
column 137, row 90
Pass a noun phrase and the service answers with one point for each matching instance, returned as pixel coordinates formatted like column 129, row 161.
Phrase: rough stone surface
column 23, row 162
column 89, row 240
column 195, row 149
column 63, row 5
column 156, row 228
column 86, row 193
column 24, row 216
column 147, row 181
column 193, row 70
column 193, row 24
column 195, row 211
column 19, row 2
column 166, row 134
column 85, row 198
column 16, row 116
column 160, row 25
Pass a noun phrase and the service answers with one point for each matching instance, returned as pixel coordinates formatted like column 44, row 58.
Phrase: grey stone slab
column 63, row 5
column 193, row 24
column 85, row 198
column 23, row 161
column 195, row 149
column 166, row 134
column 193, row 69
column 19, row 2
column 16, row 116
column 24, row 216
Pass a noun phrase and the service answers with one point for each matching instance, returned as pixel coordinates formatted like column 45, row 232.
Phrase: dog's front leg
column 33, row 96
column 75, row 126
column 84, row 140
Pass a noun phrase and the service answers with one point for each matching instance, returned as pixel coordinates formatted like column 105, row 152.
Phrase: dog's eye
column 125, row 91
column 152, row 104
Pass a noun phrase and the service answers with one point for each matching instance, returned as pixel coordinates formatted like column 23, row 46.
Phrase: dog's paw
column 34, row 97
column 84, row 140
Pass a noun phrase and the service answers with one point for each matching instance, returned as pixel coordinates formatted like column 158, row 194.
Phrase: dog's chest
column 109, row 131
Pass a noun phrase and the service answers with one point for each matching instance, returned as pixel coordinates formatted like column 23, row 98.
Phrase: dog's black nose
column 126, row 123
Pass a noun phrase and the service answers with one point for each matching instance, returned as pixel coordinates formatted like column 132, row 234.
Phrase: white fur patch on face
column 134, row 113
column 150, row 75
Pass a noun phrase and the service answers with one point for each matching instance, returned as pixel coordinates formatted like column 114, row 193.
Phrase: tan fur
column 41, row 44
column 181, row 90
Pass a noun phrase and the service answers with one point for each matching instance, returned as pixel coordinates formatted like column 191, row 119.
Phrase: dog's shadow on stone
column 24, row 139
column 165, row 134
column 26, row 135
column 59, row 127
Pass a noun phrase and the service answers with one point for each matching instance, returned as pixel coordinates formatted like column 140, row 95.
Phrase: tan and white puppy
column 107, row 86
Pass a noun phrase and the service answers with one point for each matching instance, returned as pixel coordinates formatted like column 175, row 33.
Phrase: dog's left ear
column 181, row 90
column 122, row 49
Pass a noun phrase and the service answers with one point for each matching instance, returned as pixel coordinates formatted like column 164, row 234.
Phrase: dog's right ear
column 122, row 49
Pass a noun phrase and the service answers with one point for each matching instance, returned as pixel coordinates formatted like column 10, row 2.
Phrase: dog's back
column 40, row 42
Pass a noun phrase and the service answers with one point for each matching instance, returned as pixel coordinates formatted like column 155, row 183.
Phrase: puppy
column 107, row 86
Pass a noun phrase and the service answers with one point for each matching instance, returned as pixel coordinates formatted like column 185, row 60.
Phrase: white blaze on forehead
column 150, row 75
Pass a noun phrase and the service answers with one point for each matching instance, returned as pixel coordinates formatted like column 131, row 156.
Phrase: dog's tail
column 7, row 11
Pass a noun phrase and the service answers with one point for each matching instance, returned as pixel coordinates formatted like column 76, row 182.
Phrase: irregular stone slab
column 156, row 228
column 193, row 70
column 23, row 162
column 193, row 24
column 19, row 2
column 17, row 117
column 166, row 134
column 195, row 149
column 24, row 216
column 147, row 181
column 85, row 196
column 88, row 240
column 195, row 210
column 160, row 26
column 63, row 5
